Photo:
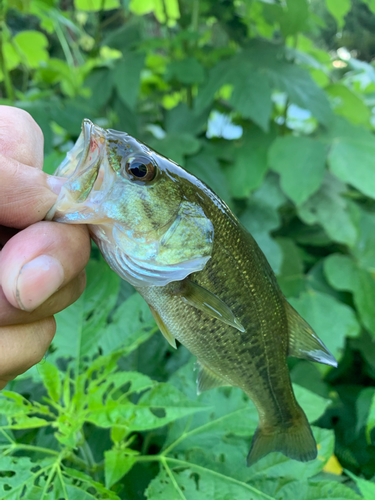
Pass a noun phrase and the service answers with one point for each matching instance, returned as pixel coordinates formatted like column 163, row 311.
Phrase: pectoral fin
column 207, row 379
column 206, row 301
column 164, row 330
column 304, row 342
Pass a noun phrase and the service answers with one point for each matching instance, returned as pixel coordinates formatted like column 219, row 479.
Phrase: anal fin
column 304, row 342
column 164, row 330
column 206, row 301
column 207, row 379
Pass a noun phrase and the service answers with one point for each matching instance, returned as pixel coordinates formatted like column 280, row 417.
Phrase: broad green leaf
column 100, row 83
column 33, row 47
column 352, row 159
column 365, row 407
column 188, row 71
column 300, row 161
column 51, row 379
column 320, row 490
column 260, row 219
column 290, row 276
column 364, row 248
column 251, row 96
column 348, row 104
column 339, row 10
column 331, row 320
column 364, row 293
column 96, row 5
column 117, row 462
column 366, row 488
column 331, row 210
column 340, row 271
column 175, row 146
column 250, row 163
column 295, row 17
column 126, row 77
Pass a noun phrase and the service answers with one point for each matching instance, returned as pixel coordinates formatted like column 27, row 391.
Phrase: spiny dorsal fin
column 206, row 301
column 164, row 330
column 207, row 379
column 304, row 342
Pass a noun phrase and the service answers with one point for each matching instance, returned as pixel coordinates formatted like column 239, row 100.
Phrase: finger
column 10, row 315
column 20, row 137
column 40, row 260
column 22, row 346
column 26, row 193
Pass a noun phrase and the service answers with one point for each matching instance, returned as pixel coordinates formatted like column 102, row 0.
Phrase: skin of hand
column 41, row 263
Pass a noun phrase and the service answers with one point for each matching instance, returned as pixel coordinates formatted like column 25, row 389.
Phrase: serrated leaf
column 188, row 71
column 117, row 463
column 331, row 210
column 251, row 96
column 51, row 379
column 300, row 161
column 250, row 163
column 126, row 77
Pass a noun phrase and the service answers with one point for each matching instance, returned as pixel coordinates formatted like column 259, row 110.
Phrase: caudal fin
column 296, row 441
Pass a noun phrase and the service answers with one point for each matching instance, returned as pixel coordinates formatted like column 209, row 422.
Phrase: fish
column 206, row 281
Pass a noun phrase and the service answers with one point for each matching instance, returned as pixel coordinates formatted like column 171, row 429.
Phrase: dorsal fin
column 164, row 330
column 304, row 342
column 206, row 301
column 207, row 379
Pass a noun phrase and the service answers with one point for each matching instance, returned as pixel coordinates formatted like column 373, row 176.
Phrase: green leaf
column 364, row 248
column 294, row 19
column 352, row 159
column 260, row 218
column 250, row 163
column 117, row 462
column 340, row 271
column 331, row 320
column 165, row 12
column 365, row 406
column 251, row 96
column 319, row 490
column 364, row 291
column 339, row 10
column 331, row 210
column 175, row 146
column 188, row 71
column 96, row 5
column 290, row 277
column 300, row 161
column 348, row 104
column 366, row 488
column 51, row 379
column 33, row 47
column 126, row 77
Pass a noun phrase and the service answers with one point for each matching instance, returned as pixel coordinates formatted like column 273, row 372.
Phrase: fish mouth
column 88, row 177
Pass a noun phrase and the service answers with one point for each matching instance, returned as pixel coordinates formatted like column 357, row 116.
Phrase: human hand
column 41, row 263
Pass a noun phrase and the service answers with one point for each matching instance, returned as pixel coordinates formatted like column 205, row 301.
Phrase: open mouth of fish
column 88, row 175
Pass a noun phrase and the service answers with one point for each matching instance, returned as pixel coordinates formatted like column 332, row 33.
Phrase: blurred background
column 272, row 104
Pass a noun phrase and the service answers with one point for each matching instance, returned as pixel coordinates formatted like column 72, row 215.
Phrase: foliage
column 248, row 96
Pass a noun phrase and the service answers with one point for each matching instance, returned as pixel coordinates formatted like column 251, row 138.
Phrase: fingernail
column 55, row 183
column 38, row 280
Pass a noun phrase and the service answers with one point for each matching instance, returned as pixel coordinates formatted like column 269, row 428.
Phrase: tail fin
column 295, row 441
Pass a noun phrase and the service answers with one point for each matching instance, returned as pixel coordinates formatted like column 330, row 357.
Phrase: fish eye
column 140, row 169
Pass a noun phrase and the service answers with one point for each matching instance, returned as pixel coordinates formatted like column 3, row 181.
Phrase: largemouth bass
column 205, row 279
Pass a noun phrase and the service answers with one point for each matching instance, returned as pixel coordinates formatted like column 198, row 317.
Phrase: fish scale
column 206, row 281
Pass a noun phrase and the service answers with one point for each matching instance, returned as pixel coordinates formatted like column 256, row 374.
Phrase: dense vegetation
column 260, row 100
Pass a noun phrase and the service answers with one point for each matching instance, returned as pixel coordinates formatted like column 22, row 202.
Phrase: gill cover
column 183, row 249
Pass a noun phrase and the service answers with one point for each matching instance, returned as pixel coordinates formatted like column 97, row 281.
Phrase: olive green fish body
column 204, row 277
column 254, row 360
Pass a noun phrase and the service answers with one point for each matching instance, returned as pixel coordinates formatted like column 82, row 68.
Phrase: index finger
column 26, row 193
